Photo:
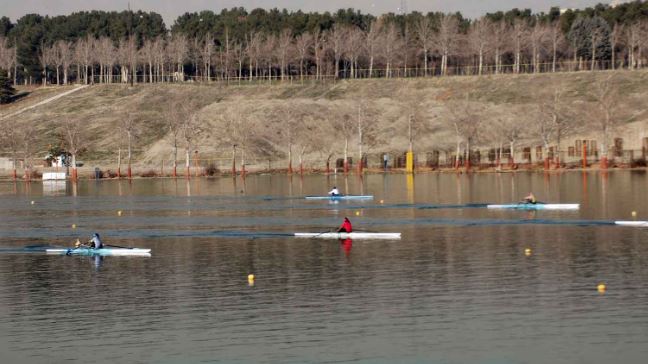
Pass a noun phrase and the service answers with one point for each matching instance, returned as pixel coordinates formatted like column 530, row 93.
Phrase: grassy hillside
column 263, row 118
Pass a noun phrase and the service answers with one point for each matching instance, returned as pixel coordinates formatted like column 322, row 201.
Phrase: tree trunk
column 290, row 170
column 175, row 160
column 187, row 162
column 74, row 168
column 346, row 155
column 119, row 163
column 129, row 172
column 458, row 154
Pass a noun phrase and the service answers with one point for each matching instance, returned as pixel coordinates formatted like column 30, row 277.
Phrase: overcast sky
column 170, row 9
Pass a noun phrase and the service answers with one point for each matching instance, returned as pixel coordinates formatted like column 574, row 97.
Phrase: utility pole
column 402, row 10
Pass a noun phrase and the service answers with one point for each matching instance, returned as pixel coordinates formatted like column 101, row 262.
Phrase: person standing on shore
column 385, row 161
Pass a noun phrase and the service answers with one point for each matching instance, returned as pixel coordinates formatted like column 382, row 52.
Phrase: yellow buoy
column 251, row 279
column 601, row 288
column 73, row 226
column 634, row 213
column 527, row 252
column 32, row 202
column 357, row 213
column 119, row 213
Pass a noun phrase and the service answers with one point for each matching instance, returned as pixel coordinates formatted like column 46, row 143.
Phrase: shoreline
column 144, row 173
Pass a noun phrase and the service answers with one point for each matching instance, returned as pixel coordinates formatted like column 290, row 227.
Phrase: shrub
column 149, row 173
column 211, row 170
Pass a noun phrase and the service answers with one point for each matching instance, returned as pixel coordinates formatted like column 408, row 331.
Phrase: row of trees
column 350, row 129
column 236, row 44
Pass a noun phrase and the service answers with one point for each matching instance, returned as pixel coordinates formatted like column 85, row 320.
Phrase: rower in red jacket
column 346, row 226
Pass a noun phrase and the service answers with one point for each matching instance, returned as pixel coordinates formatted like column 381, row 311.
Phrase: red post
column 290, row 169
column 118, row 172
column 584, row 155
column 604, row 163
column 130, row 172
column 14, row 175
column 74, row 174
column 175, row 171
column 346, row 165
column 243, row 170
column 547, row 164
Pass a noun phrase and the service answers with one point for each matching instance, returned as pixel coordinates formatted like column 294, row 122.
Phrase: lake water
column 458, row 287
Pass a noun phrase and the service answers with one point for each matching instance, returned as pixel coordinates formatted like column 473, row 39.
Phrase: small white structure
column 6, row 163
column 54, row 176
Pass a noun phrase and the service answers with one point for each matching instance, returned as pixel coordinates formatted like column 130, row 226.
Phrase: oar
column 117, row 246
column 323, row 232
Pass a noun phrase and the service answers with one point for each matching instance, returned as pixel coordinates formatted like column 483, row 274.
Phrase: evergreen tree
column 6, row 89
column 584, row 31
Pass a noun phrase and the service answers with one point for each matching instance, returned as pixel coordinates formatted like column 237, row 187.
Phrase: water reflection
column 458, row 287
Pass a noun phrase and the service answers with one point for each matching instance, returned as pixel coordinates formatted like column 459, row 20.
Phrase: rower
column 531, row 199
column 95, row 242
column 345, row 227
column 334, row 192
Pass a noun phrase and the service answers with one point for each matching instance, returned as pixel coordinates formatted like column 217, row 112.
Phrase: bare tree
column 147, row 53
column 605, row 115
column 284, row 41
column 131, row 58
column 390, row 47
column 179, row 50
column 303, row 45
column 597, row 37
column 131, row 131
column 465, row 120
column 239, row 55
column 10, row 140
column 72, row 132
column 253, row 50
column 160, row 57
column 424, row 37
column 319, row 48
column 478, row 37
column 372, row 42
column 106, row 56
column 84, row 49
column 353, row 48
column 518, row 34
column 615, row 40
column 65, row 52
column 268, row 52
column 207, row 54
column 499, row 32
column 336, row 37
column 45, row 58
column 55, row 60
column 557, row 39
column 446, row 38
column 536, row 36
column 174, row 119
column 190, row 130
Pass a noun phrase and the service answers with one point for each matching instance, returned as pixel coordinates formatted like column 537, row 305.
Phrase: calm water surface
column 458, row 287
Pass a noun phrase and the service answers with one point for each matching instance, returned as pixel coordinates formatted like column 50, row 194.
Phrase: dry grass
column 268, row 110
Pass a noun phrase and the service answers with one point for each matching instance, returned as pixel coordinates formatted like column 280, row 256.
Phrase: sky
column 171, row 9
